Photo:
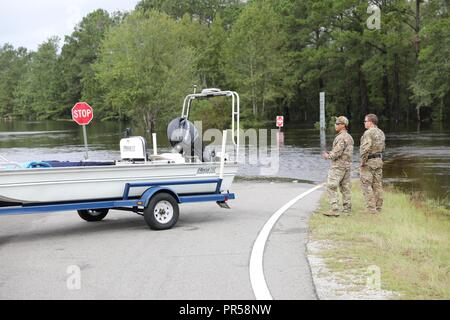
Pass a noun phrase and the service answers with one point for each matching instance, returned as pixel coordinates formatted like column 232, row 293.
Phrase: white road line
column 257, row 279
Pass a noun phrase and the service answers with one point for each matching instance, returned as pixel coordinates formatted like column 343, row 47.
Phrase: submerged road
column 206, row 255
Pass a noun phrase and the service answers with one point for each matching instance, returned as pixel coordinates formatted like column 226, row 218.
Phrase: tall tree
column 37, row 95
column 432, row 84
column 12, row 66
column 80, row 51
column 204, row 11
column 210, row 67
column 255, row 56
column 146, row 67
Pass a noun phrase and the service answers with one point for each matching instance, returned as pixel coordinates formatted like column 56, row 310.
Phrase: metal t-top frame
column 235, row 116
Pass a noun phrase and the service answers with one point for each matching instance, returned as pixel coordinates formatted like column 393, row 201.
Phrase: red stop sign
column 280, row 121
column 82, row 113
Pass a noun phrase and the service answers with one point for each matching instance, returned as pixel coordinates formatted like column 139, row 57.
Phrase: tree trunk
column 396, row 106
column 417, row 30
column 387, row 102
column 286, row 113
column 363, row 97
column 264, row 98
column 319, row 67
column 255, row 107
column 263, row 106
column 149, row 121
column 349, row 95
column 417, row 45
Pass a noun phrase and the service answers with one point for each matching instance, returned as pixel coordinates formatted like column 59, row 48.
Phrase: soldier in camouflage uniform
column 339, row 174
column 372, row 146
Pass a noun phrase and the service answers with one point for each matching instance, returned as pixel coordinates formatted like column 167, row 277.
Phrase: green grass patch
column 409, row 241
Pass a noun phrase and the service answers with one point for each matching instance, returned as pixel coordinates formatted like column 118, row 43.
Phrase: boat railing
column 235, row 115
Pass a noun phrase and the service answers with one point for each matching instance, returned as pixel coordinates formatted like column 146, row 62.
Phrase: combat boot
column 371, row 211
column 331, row 214
column 347, row 212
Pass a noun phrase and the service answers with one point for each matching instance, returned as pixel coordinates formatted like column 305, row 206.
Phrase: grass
column 409, row 242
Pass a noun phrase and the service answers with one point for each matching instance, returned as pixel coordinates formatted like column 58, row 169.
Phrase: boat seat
column 170, row 157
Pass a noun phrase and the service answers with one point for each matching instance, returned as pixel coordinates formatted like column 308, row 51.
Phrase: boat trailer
column 159, row 204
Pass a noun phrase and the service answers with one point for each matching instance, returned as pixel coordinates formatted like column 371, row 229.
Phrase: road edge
column 256, row 266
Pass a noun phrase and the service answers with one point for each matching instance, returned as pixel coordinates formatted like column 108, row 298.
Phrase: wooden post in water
column 323, row 144
column 322, row 111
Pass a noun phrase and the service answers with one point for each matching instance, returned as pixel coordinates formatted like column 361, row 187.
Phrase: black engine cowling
column 184, row 138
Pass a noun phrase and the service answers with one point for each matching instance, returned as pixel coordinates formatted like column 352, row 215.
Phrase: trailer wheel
column 162, row 212
column 93, row 215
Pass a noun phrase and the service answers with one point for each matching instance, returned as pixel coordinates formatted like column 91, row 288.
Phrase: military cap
column 342, row 120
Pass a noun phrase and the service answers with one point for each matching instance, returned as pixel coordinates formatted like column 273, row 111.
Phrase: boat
column 61, row 182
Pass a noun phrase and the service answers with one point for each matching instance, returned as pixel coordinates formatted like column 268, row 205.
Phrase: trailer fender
column 149, row 193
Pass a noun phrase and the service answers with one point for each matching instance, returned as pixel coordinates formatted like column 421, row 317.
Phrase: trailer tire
column 162, row 212
column 93, row 215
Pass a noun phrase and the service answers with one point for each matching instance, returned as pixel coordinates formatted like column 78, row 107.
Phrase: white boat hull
column 106, row 182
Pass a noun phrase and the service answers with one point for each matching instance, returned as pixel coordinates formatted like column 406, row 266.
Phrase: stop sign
column 82, row 113
column 280, row 121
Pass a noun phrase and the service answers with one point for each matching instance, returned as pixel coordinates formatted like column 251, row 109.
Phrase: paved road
column 206, row 256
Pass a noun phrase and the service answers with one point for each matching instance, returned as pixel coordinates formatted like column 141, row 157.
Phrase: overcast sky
column 28, row 23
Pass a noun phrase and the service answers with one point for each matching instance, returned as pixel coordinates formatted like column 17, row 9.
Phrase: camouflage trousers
column 372, row 186
column 339, row 178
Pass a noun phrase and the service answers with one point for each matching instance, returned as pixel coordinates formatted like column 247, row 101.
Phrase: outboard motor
column 127, row 133
column 184, row 138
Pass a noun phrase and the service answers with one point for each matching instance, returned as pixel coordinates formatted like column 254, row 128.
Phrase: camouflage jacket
column 372, row 141
column 342, row 153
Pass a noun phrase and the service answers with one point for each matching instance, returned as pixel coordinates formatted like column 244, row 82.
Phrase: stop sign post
column 82, row 113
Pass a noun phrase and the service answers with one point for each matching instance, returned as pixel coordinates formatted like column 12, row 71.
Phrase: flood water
column 416, row 159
